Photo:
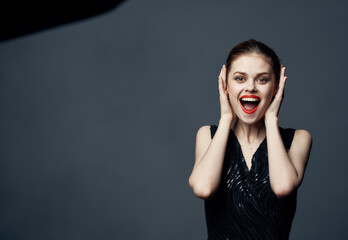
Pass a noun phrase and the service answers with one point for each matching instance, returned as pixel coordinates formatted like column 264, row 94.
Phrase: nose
column 250, row 86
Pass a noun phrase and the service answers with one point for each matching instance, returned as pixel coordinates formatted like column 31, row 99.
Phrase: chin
column 250, row 118
column 249, row 121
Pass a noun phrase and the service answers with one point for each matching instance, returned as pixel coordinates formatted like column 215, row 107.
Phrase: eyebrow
column 243, row 73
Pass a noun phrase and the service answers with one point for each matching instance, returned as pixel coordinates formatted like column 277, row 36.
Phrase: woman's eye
column 263, row 80
column 239, row 78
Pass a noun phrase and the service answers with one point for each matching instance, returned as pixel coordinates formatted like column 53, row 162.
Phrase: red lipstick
column 250, row 111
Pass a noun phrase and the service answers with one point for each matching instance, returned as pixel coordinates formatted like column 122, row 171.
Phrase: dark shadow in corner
column 22, row 17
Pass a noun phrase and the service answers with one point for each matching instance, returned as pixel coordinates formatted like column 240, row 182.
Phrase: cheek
column 268, row 95
column 233, row 89
column 271, row 91
column 233, row 95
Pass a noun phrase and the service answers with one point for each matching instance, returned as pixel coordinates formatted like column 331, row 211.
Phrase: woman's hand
column 273, row 109
column 225, row 105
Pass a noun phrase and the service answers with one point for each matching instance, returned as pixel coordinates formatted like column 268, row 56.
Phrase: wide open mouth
column 249, row 103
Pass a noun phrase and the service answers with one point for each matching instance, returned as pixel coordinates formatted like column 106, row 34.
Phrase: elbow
column 200, row 190
column 283, row 190
column 203, row 192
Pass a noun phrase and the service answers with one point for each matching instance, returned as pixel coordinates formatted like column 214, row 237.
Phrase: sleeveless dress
column 244, row 206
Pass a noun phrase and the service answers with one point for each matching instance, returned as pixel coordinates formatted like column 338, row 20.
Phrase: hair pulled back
column 253, row 46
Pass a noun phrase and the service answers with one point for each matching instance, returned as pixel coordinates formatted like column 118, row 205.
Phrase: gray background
column 99, row 117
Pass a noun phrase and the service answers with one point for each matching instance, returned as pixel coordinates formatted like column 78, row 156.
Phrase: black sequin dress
column 245, row 207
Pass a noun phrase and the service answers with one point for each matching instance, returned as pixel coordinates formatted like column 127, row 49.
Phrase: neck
column 250, row 132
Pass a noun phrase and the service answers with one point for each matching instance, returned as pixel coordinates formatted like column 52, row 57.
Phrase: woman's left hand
column 273, row 109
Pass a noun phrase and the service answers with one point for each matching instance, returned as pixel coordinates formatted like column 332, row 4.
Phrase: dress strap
column 287, row 135
column 213, row 129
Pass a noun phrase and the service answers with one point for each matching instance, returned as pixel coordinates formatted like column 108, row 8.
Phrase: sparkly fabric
column 245, row 207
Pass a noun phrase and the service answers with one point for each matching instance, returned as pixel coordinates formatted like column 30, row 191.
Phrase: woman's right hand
column 225, row 105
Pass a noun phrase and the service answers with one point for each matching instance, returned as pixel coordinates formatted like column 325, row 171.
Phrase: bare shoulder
column 203, row 136
column 302, row 136
column 299, row 152
column 203, row 132
column 301, row 146
column 203, row 140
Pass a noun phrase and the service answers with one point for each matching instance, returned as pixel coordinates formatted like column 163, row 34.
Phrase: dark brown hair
column 253, row 46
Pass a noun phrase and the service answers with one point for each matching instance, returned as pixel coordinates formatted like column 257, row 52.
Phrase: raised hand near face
column 273, row 109
column 226, row 109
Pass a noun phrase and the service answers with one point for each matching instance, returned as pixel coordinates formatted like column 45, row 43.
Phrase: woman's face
column 251, row 85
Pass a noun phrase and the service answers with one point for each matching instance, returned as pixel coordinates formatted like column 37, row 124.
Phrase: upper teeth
column 250, row 99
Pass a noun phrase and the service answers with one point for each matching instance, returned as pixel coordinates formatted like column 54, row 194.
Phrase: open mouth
column 249, row 103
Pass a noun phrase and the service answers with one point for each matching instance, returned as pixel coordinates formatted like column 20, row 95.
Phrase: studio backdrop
column 99, row 115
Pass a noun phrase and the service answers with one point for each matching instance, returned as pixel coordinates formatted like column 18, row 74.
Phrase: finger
column 283, row 80
column 282, row 75
column 221, row 74
column 221, row 71
column 224, row 76
column 280, row 92
column 284, row 69
column 223, row 93
column 222, row 83
column 282, row 84
column 281, row 70
column 221, row 90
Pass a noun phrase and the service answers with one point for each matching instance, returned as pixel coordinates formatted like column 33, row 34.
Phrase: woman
column 248, row 168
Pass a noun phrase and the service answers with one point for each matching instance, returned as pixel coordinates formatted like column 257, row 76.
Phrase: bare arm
column 286, row 169
column 210, row 153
